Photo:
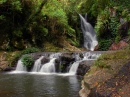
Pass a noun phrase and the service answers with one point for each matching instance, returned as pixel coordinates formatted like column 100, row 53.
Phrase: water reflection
column 31, row 85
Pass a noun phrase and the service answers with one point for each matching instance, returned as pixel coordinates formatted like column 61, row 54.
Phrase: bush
column 26, row 51
column 27, row 61
column 30, row 50
column 104, row 44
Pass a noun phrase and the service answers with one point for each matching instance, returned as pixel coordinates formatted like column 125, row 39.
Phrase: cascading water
column 37, row 65
column 54, row 66
column 90, row 39
column 20, row 67
column 49, row 67
column 74, row 67
column 86, row 56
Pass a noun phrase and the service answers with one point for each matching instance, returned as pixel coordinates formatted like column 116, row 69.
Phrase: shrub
column 30, row 50
column 27, row 61
column 104, row 44
column 26, row 51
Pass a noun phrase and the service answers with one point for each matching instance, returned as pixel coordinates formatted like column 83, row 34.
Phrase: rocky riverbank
column 108, row 77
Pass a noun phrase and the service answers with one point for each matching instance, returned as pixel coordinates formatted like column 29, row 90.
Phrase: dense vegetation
column 41, row 23
column 111, row 19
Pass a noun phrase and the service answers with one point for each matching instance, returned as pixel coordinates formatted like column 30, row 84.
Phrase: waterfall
column 20, row 66
column 49, row 67
column 86, row 56
column 90, row 39
column 37, row 65
column 54, row 66
column 74, row 67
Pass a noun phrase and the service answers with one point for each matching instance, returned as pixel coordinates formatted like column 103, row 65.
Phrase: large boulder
column 66, row 60
column 84, row 66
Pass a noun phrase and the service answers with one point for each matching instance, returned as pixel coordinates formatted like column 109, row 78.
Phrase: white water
column 37, row 65
column 74, row 67
column 49, row 67
column 87, row 56
column 90, row 38
column 20, row 67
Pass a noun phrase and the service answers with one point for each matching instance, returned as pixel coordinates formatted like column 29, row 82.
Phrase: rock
column 3, row 61
column 8, row 69
column 117, row 86
column 57, row 65
column 96, row 47
column 117, row 46
column 108, row 82
column 45, row 60
column 3, row 56
column 66, row 59
column 84, row 66
column 3, row 65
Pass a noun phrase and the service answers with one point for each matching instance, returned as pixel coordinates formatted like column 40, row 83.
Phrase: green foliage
column 95, row 6
column 17, row 33
column 125, row 13
column 2, row 1
column 16, row 5
column 30, row 50
column 23, row 52
column 117, row 39
column 107, row 25
column 102, row 27
column 101, row 65
column 74, row 42
column 104, row 44
column 36, row 22
column 106, row 60
column 114, row 26
column 129, row 32
column 2, row 17
column 58, row 18
column 27, row 61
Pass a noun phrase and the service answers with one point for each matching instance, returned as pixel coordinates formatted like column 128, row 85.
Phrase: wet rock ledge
column 65, row 58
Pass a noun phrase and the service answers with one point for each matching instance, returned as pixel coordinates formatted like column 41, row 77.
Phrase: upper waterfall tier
column 90, row 38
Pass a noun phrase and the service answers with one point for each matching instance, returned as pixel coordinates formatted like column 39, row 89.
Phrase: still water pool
column 38, row 85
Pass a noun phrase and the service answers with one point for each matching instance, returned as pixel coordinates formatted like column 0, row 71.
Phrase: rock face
column 108, row 82
column 117, row 46
column 84, row 66
column 3, row 61
column 66, row 59
column 118, row 86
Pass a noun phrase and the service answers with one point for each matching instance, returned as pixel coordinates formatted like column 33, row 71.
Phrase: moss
column 108, row 58
column 51, row 47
